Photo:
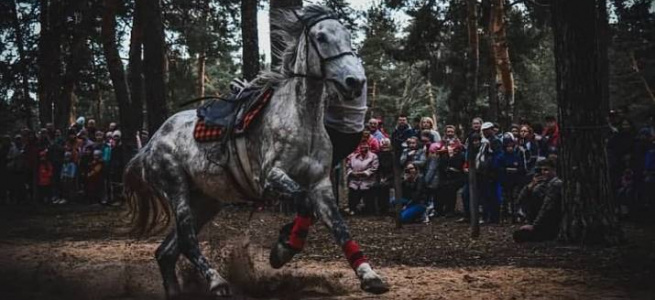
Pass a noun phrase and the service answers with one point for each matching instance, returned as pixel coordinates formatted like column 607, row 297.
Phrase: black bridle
column 308, row 24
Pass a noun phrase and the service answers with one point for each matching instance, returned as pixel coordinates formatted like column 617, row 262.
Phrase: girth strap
column 242, row 168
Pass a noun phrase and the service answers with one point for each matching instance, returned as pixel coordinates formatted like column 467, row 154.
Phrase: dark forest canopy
column 417, row 56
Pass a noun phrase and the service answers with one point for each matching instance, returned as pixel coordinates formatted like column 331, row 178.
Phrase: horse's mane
column 287, row 25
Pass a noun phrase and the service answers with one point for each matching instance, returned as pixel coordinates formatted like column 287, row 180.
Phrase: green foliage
column 632, row 58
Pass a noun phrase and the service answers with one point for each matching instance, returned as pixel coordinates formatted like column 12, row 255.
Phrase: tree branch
column 534, row 2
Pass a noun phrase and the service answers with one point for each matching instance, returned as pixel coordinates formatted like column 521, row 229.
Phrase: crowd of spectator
column 416, row 167
column 82, row 163
column 516, row 171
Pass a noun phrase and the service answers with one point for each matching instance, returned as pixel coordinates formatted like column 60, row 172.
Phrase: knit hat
column 436, row 146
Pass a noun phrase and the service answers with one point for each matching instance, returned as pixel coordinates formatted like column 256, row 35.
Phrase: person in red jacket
column 44, row 178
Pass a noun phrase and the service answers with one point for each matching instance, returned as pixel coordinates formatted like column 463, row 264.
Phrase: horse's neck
column 308, row 95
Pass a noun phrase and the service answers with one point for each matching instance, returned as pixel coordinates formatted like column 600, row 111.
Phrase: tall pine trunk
column 135, row 74
column 154, row 58
column 26, row 100
column 250, row 39
column 580, row 30
column 276, row 46
column 504, row 77
column 474, row 46
column 49, row 59
column 202, row 54
column 116, row 70
column 78, row 54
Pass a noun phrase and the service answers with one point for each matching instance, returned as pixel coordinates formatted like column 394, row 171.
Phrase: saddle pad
column 205, row 133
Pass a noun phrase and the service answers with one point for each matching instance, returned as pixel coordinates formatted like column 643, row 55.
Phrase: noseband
column 324, row 60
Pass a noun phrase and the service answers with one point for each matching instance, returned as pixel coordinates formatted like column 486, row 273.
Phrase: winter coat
column 45, row 174
column 367, row 164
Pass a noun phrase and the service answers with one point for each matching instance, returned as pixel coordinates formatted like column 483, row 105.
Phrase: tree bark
column 202, row 53
column 78, row 54
column 49, row 60
column 250, row 55
column 500, row 51
column 474, row 46
column 154, row 57
column 26, row 100
column 116, row 70
column 581, row 58
column 276, row 4
column 136, row 67
column 492, row 91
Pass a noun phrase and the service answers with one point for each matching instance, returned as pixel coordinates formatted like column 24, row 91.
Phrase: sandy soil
column 79, row 252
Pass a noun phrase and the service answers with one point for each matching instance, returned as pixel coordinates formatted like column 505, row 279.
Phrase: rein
column 311, row 41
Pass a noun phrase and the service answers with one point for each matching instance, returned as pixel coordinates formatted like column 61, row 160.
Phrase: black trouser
column 446, row 199
column 342, row 144
column 355, row 195
column 383, row 198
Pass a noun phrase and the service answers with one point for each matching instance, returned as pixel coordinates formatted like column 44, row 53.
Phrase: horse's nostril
column 353, row 83
column 358, row 93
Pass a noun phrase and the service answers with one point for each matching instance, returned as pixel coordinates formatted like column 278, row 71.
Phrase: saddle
column 224, row 117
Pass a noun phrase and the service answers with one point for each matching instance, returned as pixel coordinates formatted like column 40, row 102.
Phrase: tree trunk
column 580, row 58
column 500, row 51
column 49, row 60
column 250, row 40
column 136, row 67
column 202, row 54
column 492, row 91
column 116, row 70
column 154, row 56
column 26, row 100
column 275, row 4
column 474, row 47
column 78, row 54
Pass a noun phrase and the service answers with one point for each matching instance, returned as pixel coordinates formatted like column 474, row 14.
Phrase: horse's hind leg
column 173, row 185
column 168, row 252
column 322, row 200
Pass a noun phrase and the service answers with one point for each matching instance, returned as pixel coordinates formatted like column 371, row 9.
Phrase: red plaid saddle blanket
column 206, row 133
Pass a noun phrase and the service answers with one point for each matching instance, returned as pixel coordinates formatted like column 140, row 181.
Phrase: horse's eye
column 321, row 37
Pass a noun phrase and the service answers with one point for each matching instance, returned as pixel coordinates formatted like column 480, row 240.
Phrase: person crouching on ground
column 546, row 225
column 413, row 201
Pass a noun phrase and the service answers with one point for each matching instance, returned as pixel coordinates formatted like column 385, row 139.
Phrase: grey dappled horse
column 288, row 156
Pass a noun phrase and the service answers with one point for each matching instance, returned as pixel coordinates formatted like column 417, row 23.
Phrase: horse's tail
column 149, row 212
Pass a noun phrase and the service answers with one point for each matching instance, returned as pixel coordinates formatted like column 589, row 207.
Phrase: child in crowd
column 95, row 179
column 68, row 179
column 44, row 178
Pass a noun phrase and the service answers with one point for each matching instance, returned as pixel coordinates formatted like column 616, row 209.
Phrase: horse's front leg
column 322, row 200
column 293, row 235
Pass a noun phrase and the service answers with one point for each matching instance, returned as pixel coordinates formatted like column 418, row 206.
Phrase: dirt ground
column 80, row 252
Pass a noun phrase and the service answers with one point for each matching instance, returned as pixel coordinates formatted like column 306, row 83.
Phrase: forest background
column 452, row 59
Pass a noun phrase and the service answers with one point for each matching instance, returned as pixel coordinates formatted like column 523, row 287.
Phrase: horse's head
column 323, row 51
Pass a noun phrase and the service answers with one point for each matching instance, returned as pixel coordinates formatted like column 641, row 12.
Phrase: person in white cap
column 489, row 185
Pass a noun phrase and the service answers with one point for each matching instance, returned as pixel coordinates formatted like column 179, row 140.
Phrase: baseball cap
column 487, row 125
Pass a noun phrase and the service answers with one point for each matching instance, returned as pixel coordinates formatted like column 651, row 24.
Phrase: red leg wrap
column 299, row 232
column 354, row 254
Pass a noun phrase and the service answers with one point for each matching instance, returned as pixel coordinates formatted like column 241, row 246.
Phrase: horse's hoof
column 221, row 290
column 280, row 255
column 374, row 286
